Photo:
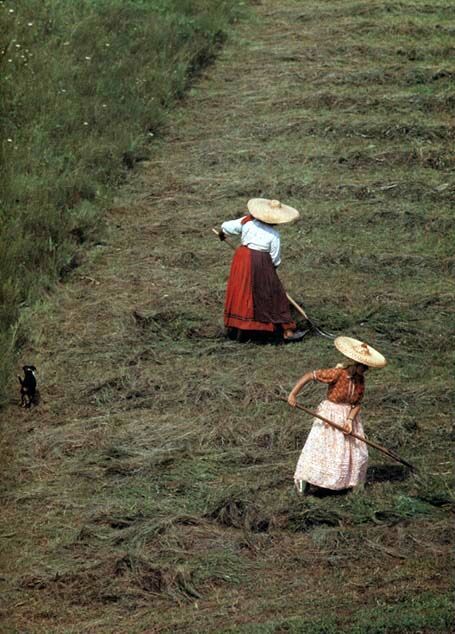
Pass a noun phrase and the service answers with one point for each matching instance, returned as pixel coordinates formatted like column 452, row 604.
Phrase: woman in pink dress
column 332, row 459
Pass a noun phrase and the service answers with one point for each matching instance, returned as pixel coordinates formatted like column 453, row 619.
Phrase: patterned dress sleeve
column 327, row 376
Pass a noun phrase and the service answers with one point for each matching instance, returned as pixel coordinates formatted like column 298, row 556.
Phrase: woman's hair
column 345, row 364
column 348, row 364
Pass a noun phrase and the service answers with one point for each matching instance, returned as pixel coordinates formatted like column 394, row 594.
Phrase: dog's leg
column 22, row 391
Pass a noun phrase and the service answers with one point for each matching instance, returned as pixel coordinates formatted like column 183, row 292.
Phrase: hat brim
column 360, row 352
column 271, row 213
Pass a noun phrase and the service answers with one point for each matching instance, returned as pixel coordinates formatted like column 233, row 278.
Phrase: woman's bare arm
column 351, row 418
column 292, row 398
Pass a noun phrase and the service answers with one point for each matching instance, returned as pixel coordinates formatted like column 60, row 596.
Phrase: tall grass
column 85, row 88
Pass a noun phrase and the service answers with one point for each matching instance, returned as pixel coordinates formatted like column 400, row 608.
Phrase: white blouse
column 257, row 236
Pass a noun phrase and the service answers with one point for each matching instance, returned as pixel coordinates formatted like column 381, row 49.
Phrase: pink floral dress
column 329, row 458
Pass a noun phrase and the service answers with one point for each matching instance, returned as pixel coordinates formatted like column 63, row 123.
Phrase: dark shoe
column 298, row 335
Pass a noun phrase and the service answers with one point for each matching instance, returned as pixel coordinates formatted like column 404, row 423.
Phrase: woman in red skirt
column 255, row 298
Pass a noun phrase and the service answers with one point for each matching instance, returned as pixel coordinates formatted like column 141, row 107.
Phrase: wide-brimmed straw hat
column 271, row 211
column 359, row 351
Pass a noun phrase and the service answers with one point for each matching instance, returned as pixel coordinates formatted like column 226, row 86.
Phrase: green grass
column 154, row 492
column 424, row 614
column 86, row 87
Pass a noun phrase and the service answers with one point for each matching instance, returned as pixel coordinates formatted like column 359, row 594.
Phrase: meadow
column 85, row 90
column 151, row 490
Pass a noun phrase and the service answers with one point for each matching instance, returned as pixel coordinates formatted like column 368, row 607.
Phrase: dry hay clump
column 238, row 511
column 246, row 510
column 309, row 518
column 174, row 325
column 115, row 579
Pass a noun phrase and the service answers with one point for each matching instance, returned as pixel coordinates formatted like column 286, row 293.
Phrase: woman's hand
column 292, row 400
column 351, row 418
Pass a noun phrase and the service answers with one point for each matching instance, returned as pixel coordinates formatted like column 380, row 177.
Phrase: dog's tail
column 20, row 380
column 36, row 398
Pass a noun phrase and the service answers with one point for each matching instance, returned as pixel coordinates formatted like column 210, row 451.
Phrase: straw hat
column 360, row 352
column 271, row 211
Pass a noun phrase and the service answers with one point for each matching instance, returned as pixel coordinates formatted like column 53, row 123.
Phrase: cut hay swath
column 319, row 331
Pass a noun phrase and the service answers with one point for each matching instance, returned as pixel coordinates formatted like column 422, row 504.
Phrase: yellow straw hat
column 360, row 352
column 271, row 211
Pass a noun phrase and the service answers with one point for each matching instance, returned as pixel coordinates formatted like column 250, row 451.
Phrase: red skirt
column 255, row 297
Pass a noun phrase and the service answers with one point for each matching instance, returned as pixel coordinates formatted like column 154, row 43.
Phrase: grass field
column 86, row 87
column 151, row 491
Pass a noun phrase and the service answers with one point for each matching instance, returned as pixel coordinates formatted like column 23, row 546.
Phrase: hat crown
column 271, row 211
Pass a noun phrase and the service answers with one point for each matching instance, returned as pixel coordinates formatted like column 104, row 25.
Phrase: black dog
column 29, row 393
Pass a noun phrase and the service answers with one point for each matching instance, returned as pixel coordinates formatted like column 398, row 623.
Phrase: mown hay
column 161, row 449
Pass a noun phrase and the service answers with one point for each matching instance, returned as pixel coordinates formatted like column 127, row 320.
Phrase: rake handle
column 298, row 308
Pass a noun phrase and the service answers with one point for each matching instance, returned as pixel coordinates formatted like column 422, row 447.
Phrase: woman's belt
column 342, row 402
